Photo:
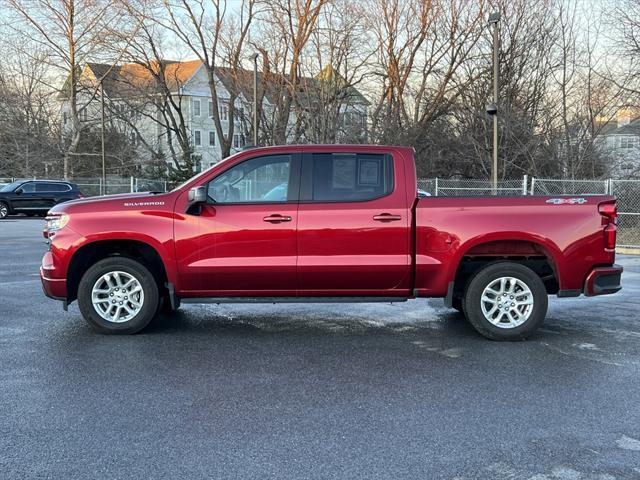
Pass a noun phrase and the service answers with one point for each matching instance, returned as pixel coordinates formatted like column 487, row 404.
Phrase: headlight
column 56, row 222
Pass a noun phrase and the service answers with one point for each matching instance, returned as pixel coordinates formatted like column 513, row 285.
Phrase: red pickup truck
column 324, row 224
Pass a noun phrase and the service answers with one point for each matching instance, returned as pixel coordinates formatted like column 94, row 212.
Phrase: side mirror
column 197, row 195
column 19, row 191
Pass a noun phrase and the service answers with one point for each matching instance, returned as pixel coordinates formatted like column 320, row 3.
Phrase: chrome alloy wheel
column 507, row 302
column 117, row 296
column 4, row 210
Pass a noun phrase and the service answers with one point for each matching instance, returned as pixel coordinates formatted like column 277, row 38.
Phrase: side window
column 350, row 177
column 258, row 180
column 28, row 187
column 52, row 187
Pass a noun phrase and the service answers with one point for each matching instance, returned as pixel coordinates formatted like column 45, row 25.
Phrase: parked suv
column 35, row 197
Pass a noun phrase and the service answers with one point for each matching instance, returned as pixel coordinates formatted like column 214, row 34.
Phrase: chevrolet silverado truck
column 327, row 223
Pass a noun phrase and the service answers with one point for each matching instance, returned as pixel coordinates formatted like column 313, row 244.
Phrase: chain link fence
column 93, row 186
column 628, row 194
column 554, row 186
column 464, row 187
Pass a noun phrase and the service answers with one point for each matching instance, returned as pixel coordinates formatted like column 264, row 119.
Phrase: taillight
column 609, row 212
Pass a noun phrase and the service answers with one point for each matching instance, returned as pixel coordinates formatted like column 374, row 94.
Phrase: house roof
column 631, row 128
column 611, row 128
column 129, row 78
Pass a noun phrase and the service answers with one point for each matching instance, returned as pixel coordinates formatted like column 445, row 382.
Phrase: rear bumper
column 603, row 281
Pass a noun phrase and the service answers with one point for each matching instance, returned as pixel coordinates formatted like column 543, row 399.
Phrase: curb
column 628, row 250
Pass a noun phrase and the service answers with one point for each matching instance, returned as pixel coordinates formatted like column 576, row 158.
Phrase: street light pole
column 255, row 99
column 494, row 19
column 104, row 163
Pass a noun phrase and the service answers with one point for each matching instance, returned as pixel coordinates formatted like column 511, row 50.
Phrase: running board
column 294, row 300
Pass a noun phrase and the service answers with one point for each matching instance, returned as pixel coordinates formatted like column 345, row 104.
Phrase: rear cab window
column 347, row 177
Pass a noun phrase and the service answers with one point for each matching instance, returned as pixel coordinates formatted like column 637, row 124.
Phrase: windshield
column 10, row 187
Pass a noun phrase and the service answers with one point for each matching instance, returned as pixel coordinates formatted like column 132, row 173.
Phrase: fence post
column 609, row 189
column 436, row 189
column 533, row 184
column 525, row 181
column 132, row 185
column 165, row 185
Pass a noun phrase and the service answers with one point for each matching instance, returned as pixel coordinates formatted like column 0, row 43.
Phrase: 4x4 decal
column 567, row 201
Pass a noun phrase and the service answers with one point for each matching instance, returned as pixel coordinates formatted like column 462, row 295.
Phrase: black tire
column 4, row 210
column 489, row 274
column 145, row 278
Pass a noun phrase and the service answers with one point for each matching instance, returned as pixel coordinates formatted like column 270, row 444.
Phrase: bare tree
column 72, row 32
column 287, row 27
column 27, row 135
column 218, row 39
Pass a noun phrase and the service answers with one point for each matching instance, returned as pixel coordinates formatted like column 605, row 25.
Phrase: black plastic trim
column 294, row 299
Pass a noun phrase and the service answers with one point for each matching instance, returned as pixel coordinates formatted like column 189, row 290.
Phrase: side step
column 294, row 300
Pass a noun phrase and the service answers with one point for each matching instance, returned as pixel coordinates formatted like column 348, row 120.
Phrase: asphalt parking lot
column 313, row 391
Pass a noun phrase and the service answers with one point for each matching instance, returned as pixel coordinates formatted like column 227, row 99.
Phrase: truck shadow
column 205, row 321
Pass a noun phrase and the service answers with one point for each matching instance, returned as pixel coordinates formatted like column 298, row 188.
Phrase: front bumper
column 53, row 287
column 603, row 280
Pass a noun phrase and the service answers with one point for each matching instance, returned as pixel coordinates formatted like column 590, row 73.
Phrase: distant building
column 131, row 93
column 619, row 142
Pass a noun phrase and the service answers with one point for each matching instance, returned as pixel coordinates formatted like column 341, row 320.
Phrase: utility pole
column 104, row 163
column 494, row 19
column 255, row 99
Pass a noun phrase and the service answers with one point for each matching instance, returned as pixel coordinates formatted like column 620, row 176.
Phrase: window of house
column 210, row 109
column 196, row 108
column 258, row 180
column 212, row 138
column 197, row 138
column 83, row 114
column 224, row 112
column 348, row 177
column 628, row 142
column 237, row 141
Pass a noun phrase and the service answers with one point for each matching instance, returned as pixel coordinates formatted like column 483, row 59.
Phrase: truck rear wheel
column 118, row 295
column 505, row 301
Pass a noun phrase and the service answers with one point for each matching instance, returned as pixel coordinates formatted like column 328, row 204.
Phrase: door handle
column 386, row 217
column 277, row 218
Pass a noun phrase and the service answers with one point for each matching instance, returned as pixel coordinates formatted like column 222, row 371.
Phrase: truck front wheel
column 505, row 301
column 118, row 295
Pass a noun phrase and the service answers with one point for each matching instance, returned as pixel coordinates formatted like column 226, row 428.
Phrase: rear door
column 50, row 193
column 353, row 225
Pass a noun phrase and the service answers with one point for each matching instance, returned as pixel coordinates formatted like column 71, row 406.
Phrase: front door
column 26, row 199
column 353, row 226
column 248, row 244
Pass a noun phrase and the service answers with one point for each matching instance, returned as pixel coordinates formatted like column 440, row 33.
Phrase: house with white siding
column 136, row 105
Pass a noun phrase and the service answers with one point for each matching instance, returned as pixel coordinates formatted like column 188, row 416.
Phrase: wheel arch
column 92, row 252
column 541, row 255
